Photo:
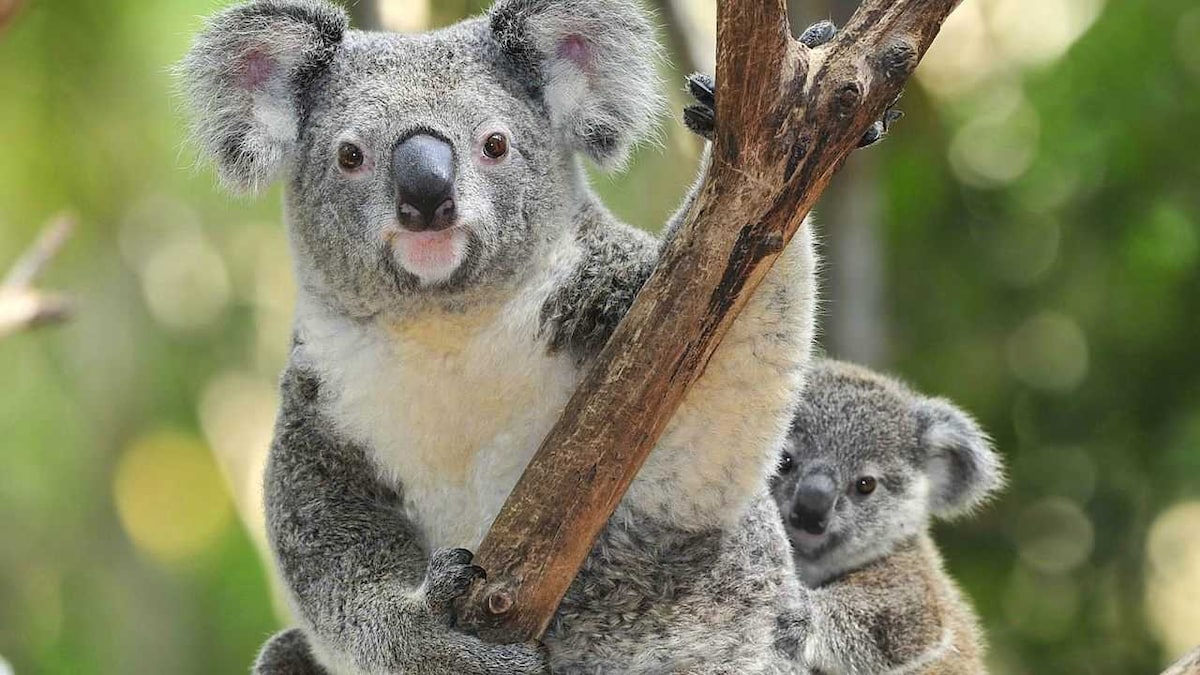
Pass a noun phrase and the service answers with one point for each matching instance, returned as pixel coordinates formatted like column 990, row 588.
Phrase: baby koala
column 869, row 463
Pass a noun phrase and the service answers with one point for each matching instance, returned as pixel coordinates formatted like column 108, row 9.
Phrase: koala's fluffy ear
column 597, row 64
column 963, row 468
column 244, row 81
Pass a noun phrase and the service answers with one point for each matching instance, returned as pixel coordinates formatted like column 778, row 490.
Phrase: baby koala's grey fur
column 413, row 400
column 879, row 598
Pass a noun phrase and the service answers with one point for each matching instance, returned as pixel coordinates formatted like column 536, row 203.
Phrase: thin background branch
column 22, row 306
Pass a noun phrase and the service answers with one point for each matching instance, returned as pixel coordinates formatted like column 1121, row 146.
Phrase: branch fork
column 788, row 116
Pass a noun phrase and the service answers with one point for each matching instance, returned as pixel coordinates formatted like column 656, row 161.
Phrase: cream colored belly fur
column 452, row 406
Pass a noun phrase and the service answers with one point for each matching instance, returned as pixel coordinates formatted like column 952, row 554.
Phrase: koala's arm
column 366, row 592
column 871, row 622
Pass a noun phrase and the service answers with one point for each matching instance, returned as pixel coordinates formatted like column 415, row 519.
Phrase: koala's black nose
column 423, row 169
column 812, row 503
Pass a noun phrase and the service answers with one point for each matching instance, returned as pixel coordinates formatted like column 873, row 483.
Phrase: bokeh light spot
column 1054, row 536
column 404, row 16
column 1023, row 251
column 1036, row 33
column 997, row 145
column 153, row 221
column 184, row 278
column 237, row 413
column 170, row 497
column 986, row 41
column 1049, row 352
column 1173, row 577
column 1041, row 607
column 1061, row 471
column 1187, row 41
column 185, row 284
column 1167, row 242
column 961, row 57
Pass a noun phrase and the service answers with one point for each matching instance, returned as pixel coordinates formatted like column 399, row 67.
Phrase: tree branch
column 21, row 306
column 1189, row 664
column 781, row 135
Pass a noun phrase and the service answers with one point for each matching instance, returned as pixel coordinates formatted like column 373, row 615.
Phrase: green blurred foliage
column 1061, row 305
column 1109, row 215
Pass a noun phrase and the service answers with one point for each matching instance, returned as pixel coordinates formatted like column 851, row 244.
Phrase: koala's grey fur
column 413, row 400
column 879, row 598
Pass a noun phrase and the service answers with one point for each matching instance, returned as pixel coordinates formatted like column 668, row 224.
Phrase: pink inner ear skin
column 575, row 48
column 256, row 69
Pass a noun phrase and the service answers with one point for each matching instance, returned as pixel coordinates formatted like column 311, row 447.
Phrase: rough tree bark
column 788, row 117
column 21, row 305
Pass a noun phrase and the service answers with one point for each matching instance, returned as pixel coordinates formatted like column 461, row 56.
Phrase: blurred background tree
column 1027, row 243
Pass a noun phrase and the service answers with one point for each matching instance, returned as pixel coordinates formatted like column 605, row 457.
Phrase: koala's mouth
column 810, row 546
column 431, row 256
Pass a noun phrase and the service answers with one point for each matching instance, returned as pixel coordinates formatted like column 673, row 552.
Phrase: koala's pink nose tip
column 423, row 171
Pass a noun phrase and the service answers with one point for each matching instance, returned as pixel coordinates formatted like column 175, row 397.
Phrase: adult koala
column 457, row 275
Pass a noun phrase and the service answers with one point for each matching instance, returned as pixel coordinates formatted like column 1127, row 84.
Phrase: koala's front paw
column 701, row 117
column 449, row 575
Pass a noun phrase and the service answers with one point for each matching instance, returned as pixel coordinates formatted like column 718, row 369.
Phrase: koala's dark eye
column 350, row 156
column 865, row 485
column 495, row 146
column 786, row 463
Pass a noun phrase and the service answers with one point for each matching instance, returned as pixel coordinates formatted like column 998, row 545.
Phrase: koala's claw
column 881, row 126
column 701, row 116
column 702, row 88
column 449, row 575
column 818, row 34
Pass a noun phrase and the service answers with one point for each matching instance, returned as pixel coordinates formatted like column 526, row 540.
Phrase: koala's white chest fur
column 451, row 406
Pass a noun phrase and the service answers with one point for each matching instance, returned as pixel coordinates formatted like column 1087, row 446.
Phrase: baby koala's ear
column 244, row 81
column 963, row 468
column 597, row 65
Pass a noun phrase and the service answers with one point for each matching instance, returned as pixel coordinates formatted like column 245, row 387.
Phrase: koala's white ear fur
column 597, row 61
column 244, row 78
column 963, row 468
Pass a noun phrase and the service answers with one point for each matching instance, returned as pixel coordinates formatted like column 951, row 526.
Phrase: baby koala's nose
column 423, row 170
column 812, row 504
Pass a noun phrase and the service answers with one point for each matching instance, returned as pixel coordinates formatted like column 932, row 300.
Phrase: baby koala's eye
column 495, row 146
column 786, row 463
column 865, row 485
column 350, row 156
